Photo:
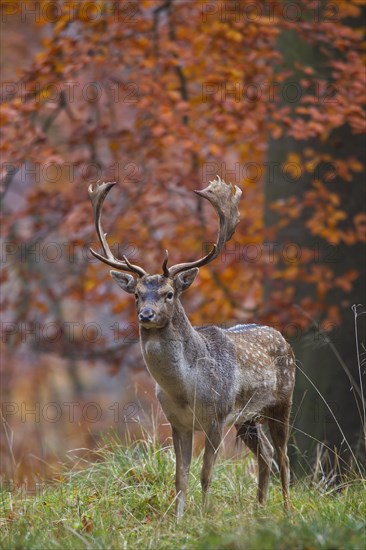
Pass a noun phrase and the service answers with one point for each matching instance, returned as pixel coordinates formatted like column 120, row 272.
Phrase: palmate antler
column 97, row 197
column 225, row 200
column 223, row 197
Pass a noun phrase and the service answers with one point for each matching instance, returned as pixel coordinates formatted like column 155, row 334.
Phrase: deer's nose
column 146, row 314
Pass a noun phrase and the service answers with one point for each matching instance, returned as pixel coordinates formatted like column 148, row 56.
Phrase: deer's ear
column 185, row 279
column 126, row 281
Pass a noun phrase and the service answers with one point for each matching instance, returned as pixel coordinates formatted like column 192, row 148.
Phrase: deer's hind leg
column 253, row 436
column 279, row 429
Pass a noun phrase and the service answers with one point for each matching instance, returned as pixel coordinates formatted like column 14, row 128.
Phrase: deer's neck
column 171, row 352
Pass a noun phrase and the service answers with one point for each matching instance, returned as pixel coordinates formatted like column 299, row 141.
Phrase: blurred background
column 161, row 96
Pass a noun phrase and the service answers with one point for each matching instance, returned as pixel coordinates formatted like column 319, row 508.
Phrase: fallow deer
column 208, row 376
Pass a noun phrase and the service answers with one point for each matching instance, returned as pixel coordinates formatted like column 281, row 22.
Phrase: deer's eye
column 170, row 295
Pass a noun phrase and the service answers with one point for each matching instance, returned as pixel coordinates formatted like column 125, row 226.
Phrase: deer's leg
column 279, row 428
column 253, row 436
column 183, row 455
column 212, row 445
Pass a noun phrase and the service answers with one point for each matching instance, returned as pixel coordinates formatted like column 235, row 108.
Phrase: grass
column 126, row 500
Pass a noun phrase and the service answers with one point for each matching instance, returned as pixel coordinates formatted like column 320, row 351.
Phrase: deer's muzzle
column 146, row 315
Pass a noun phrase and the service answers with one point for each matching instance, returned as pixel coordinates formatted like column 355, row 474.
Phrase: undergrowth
column 125, row 499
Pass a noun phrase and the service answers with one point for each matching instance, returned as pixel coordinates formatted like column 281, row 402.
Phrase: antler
column 225, row 199
column 97, row 197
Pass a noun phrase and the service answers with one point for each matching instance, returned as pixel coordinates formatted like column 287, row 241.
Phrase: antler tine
column 134, row 268
column 165, row 264
column 225, row 199
column 97, row 197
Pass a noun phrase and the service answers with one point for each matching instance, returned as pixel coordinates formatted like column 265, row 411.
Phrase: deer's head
column 157, row 295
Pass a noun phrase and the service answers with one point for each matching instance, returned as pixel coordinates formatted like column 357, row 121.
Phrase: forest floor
column 125, row 500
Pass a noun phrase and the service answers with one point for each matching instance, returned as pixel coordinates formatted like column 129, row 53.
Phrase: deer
column 208, row 377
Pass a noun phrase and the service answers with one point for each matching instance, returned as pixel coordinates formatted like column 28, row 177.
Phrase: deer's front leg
column 183, row 455
column 212, row 445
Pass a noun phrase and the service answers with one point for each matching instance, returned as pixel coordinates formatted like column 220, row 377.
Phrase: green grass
column 126, row 500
